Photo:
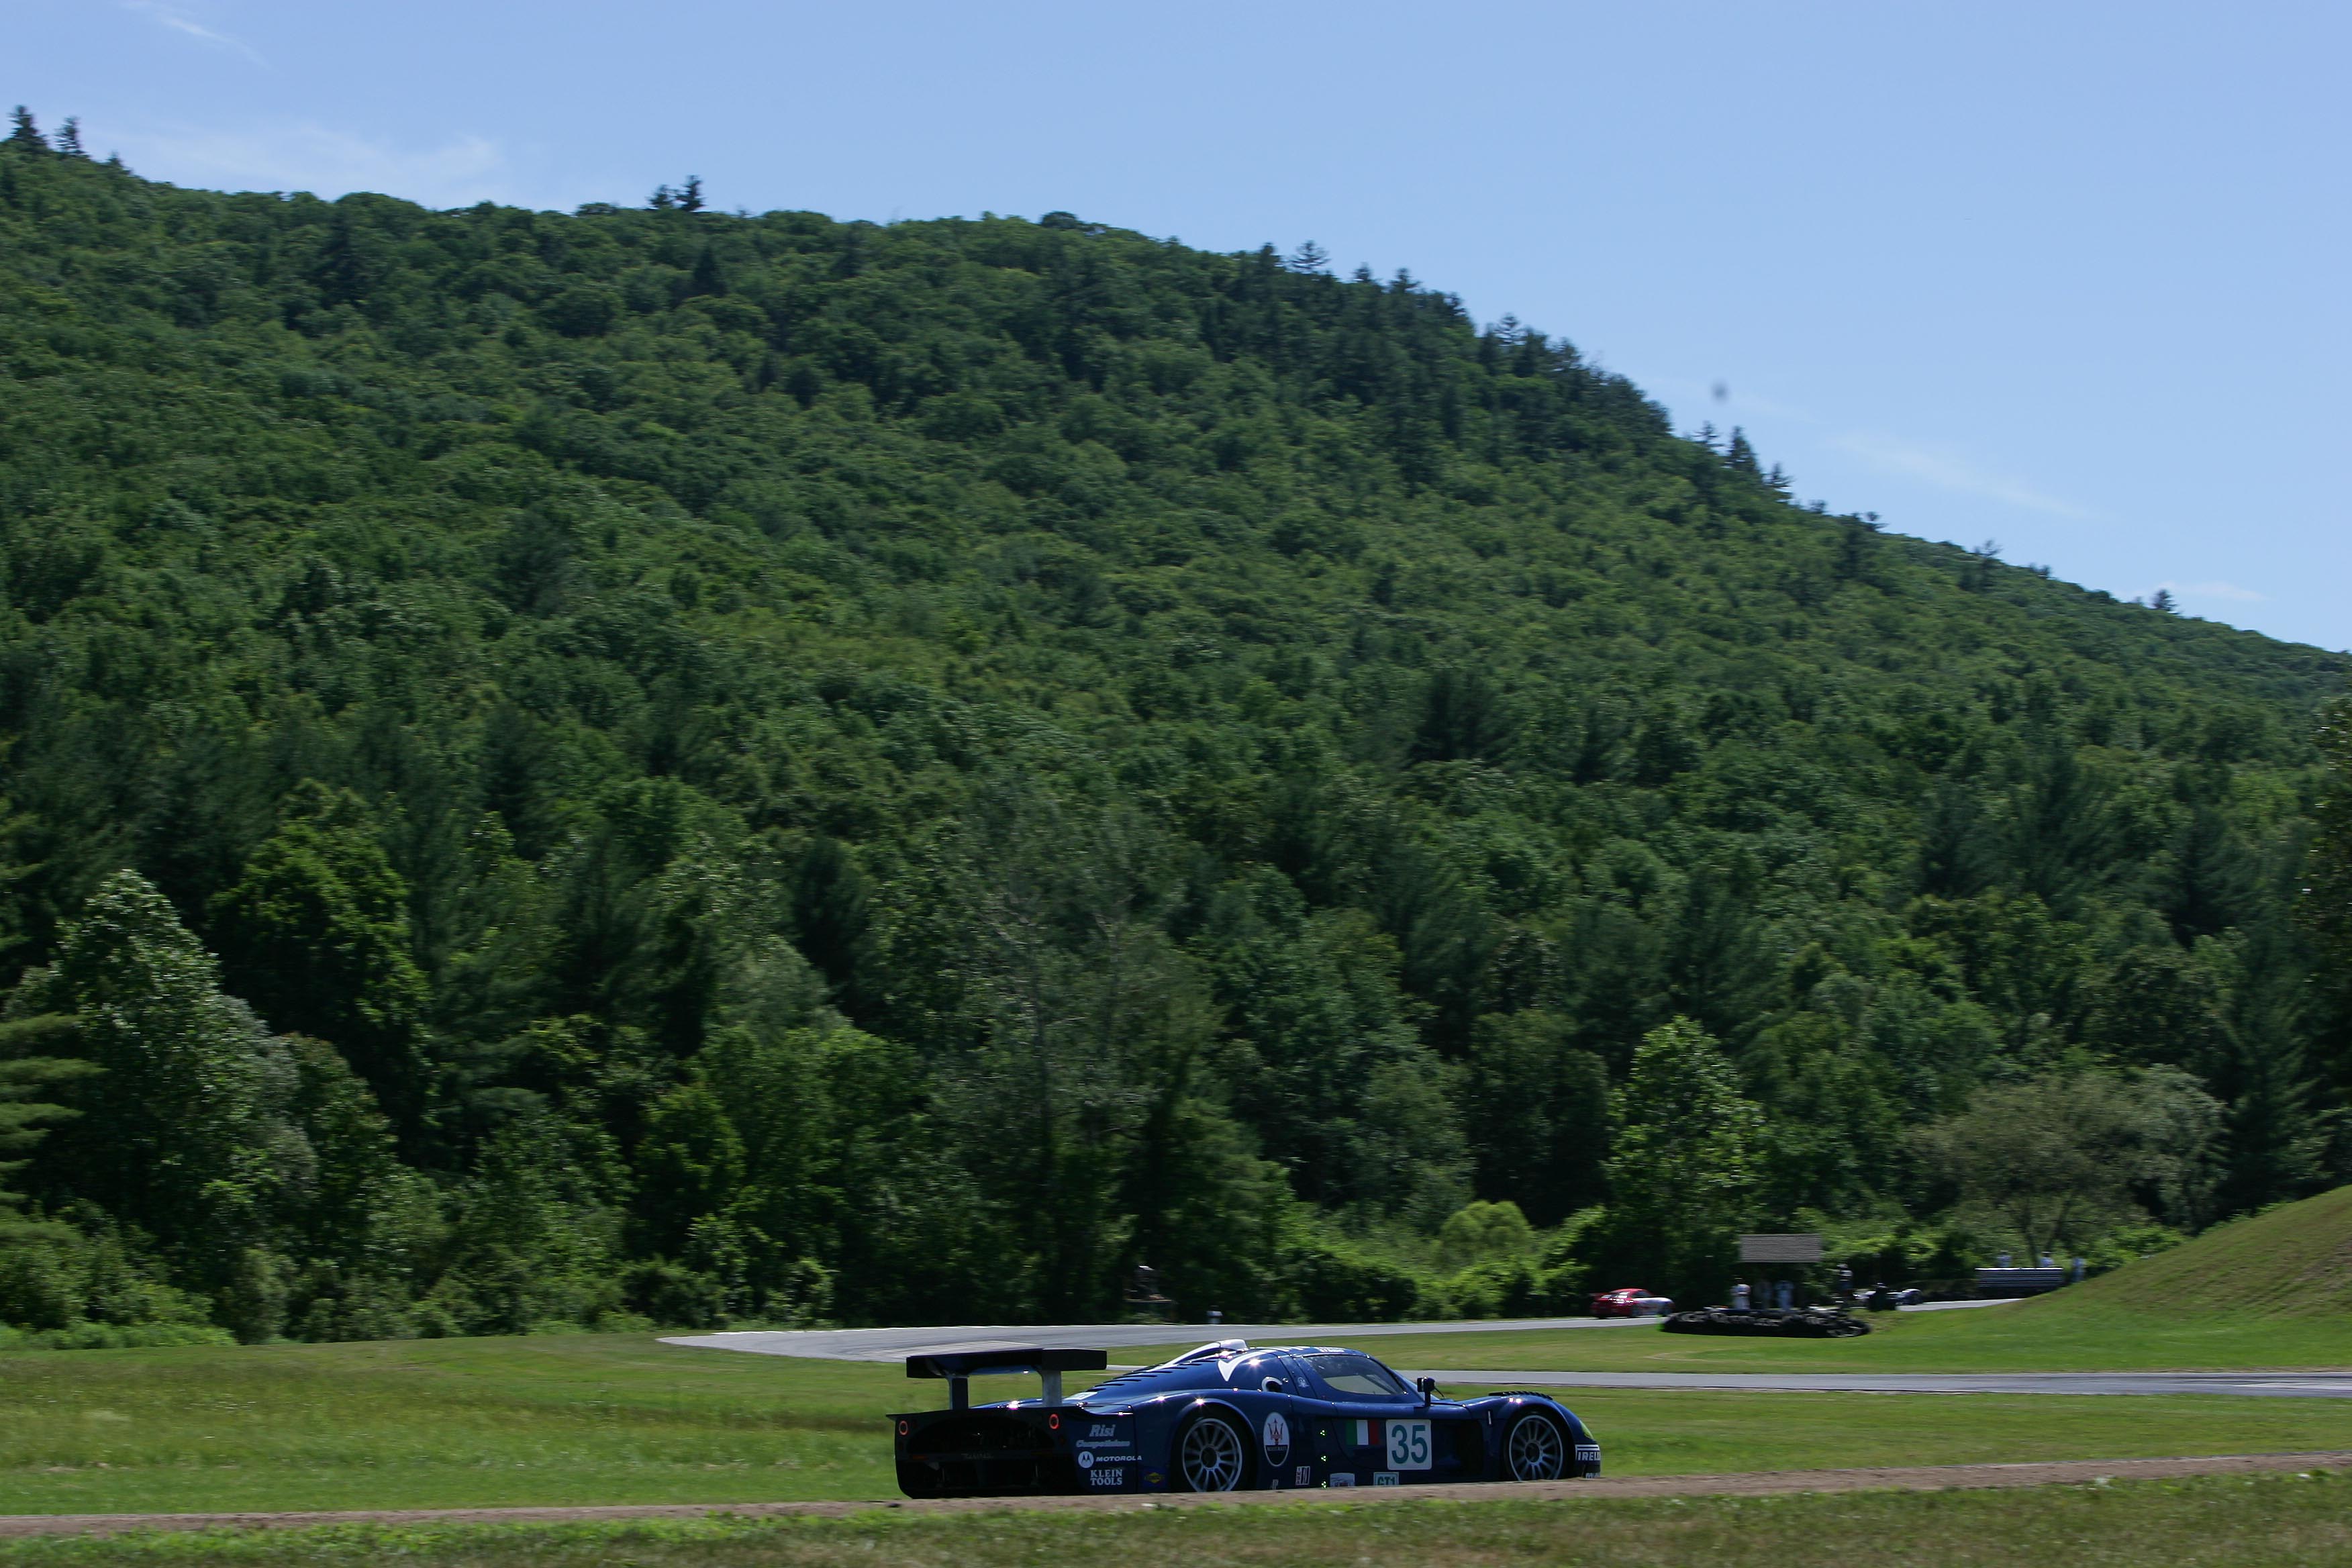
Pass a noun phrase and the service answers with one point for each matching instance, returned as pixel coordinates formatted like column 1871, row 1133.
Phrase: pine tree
column 2327, row 905
column 1741, row 457
column 1309, row 258
column 690, row 195
column 342, row 273
column 26, row 136
column 24, row 1073
column 2059, row 827
column 2210, row 881
column 1958, row 856
column 832, row 920
column 70, row 138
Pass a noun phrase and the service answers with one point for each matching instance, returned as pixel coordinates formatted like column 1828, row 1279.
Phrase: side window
column 1356, row 1378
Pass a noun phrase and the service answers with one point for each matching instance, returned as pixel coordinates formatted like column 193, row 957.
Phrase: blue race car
column 1224, row 1418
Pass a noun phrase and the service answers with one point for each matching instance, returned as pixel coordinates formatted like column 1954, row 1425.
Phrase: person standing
column 1740, row 1295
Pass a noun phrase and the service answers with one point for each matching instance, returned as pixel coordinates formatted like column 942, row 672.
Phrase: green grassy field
column 2258, row 1522
column 621, row 1418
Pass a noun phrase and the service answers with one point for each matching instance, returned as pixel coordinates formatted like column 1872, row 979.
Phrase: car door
column 1369, row 1427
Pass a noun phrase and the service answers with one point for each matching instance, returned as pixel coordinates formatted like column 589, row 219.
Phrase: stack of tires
column 1795, row 1323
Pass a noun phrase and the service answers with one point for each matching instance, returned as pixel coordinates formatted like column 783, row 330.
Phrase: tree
column 1462, row 718
column 316, row 935
column 368, row 1225
column 2059, row 830
column 1481, row 1232
column 534, row 1231
column 2276, row 1135
column 1957, row 857
column 343, row 273
column 1682, row 1174
column 2063, row 1157
column 69, row 139
column 1663, row 747
column 833, row 920
column 26, row 1071
column 2208, row 883
column 1537, row 1110
column 25, row 135
column 1717, row 969
column 1311, row 1000
column 184, row 1133
column 1741, row 456
column 690, row 195
column 2326, row 907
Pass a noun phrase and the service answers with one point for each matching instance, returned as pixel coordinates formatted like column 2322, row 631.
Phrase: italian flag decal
column 1364, row 1438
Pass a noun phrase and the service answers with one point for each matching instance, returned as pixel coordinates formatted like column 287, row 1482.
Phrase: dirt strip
column 1921, row 1477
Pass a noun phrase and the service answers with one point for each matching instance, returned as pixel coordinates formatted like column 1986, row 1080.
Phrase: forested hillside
column 752, row 768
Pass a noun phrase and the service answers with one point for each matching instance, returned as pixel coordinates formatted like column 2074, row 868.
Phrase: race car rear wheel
column 1535, row 1450
column 1211, row 1456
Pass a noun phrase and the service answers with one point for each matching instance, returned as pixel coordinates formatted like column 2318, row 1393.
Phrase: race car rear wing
column 959, row 1363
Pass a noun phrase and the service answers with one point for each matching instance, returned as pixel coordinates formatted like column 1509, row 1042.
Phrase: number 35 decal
column 1408, row 1445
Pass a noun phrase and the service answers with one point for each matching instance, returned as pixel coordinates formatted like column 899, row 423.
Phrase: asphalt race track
column 891, row 1344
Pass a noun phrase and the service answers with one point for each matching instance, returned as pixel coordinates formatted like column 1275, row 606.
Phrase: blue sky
column 2067, row 277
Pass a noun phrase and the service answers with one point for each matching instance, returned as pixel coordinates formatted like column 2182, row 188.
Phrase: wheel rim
column 1213, row 1456
column 1536, row 1451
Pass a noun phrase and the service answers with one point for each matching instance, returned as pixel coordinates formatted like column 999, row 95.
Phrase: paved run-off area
column 889, row 1344
column 1764, row 1483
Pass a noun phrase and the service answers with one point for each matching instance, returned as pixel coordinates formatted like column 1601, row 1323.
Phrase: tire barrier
column 1795, row 1323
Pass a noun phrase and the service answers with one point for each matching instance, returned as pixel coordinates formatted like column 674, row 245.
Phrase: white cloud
column 2215, row 591
column 166, row 14
column 323, row 160
column 1949, row 471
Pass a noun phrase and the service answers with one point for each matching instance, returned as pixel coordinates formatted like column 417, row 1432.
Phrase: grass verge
column 623, row 1419
column 2238, row 1522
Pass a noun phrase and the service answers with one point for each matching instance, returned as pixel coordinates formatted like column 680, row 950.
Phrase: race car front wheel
column 1536, row 1451
column 1211, row 1454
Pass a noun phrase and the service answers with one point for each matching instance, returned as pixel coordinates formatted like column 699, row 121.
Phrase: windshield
column 1358, row 1374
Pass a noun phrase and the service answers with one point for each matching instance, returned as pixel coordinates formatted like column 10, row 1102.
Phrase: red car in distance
column 1632, row 1301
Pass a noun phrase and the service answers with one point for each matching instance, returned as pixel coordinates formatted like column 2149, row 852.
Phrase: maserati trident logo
column 1278, row 1439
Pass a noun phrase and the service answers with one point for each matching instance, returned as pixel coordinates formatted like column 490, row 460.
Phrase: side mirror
column 1428, row 1386
column 1272, row 1385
